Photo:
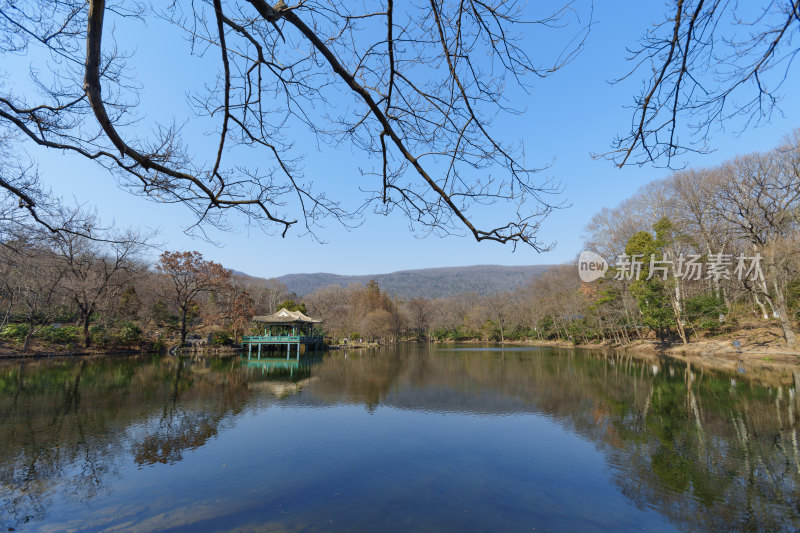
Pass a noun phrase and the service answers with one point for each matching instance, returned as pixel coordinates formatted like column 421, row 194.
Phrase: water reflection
column 699, row 448
column 280, row 367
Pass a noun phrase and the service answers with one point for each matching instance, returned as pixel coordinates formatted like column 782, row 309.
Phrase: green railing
column 276, row 339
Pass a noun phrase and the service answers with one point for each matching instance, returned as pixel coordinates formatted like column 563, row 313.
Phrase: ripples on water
column 398, row 439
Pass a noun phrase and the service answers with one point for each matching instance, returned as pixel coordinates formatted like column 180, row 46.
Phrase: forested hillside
column 428, row 282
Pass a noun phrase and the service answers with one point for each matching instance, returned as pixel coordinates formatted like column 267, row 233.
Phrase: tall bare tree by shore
column 189, row 275
column 33, row 283
column 96, row 273
column 420, row 314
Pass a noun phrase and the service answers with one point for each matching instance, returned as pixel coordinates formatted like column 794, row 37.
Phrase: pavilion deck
column 281, row 339
column 284, row 328
column 271, row 342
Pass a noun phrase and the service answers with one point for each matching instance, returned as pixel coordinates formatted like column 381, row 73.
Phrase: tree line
column 93, row 288
column 738, row 219
column 715, row 249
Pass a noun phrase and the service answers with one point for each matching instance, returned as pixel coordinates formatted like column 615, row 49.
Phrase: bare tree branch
column 340, row 72
column 709, row 64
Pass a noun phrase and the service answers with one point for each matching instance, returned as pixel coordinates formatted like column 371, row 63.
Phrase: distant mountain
column 427, row 282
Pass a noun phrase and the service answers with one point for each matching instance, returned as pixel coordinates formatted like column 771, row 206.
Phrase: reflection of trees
column 46, row 427
column 684, row 440
column 735, row 474
column 65, row 425
column 707, row 454
column 177, row 433
column 183, row 426
column 360, row 379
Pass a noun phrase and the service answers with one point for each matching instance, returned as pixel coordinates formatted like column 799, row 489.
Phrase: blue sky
column 567, row 117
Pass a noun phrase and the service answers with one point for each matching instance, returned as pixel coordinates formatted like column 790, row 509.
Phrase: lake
column 405, row 438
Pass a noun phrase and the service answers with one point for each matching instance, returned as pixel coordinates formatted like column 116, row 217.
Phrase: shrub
column 99, row 336
column 520, row 334
column 14, row 331
column 442, row 333
column 159, row 345
column 703, row 311
column 130, row 333
column 59, row 335
column 458, row 333
column 223, row 339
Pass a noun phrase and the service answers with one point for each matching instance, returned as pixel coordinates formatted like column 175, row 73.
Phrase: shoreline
column 716, row 354
column 753, row 360
column 9, row 354
column 706, row 348
column 762, row 343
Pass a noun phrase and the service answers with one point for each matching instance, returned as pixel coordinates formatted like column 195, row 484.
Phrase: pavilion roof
column 284, row 316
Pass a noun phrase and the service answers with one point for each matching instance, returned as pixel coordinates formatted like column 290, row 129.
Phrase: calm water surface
column 399, row 439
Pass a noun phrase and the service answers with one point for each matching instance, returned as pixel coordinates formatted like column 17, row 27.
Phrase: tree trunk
column 87, row 340
column 631, row 321
column 761, row 306
column 8, row 312
column 28, row 335
column 778, row 304
column 184, row 310
column 626, row 339
column 677, row 308
column 783, row 316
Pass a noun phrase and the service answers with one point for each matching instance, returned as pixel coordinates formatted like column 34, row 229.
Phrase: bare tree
column 377, row 325
column 453, row 312
column 189, row 275
column 95, row 273
column 706, row 62
column 7, row 286
column 231, row 306
column 759, row 197
column 334, row 304
column 500, row 308
column 398, row 321
column 420, row 313
column 35, row 281
column 271, row 295
column 413, row 88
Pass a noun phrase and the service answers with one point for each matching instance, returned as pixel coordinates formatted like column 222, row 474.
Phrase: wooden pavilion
column 290, row 328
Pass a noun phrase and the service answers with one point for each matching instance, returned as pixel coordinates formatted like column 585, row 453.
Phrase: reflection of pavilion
column 279, row 367
column 289, row 328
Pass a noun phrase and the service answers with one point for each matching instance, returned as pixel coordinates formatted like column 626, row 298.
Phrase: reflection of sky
column 408, row 439
column 344, row 468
